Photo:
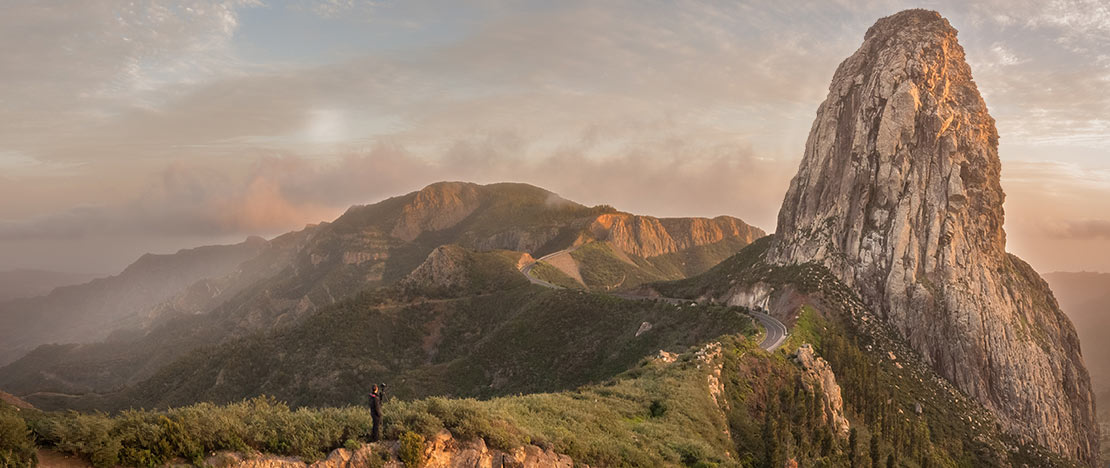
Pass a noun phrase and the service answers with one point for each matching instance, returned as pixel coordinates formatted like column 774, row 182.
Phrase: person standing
column 376, row 396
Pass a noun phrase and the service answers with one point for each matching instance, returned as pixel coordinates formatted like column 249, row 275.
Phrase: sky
column 133, row 127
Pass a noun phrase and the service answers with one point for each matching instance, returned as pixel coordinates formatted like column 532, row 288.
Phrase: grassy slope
column 603, row 269
column 655, row 414
column 524, row 340
column 549, row 273
column 498, row 335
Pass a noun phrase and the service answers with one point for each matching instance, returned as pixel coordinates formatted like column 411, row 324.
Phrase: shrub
column 351, row 444
column 16, row 448
column 412, row 449
column 82, row 434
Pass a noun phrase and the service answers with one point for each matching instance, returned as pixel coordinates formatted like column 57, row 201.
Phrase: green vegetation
column 546, row 272
column 17, row 450
column 411, row 451
column 619, row 422
column 478, row 273
column 526, row 339
column 696, row 260
column 603, row 269
column 149, row 439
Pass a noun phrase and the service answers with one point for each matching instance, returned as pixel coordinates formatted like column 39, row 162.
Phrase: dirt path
column 52, row 459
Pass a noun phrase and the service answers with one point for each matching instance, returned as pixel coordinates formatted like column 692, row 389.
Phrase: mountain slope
column 463, row 324
column 368, row 247
column 898, row 194
column 722, row 402
column 89, row 312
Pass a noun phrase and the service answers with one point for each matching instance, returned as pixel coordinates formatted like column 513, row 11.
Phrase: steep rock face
column 647, row 236
column 898, row 194
column 821, row 372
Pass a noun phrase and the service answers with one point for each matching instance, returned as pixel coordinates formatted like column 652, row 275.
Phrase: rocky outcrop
column 442, row 451
column 898, row 194
column 818, row 371
column 646, row 236
column 443, row 268
column 435, row 207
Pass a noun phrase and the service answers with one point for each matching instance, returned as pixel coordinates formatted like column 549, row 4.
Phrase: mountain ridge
column 299, row 272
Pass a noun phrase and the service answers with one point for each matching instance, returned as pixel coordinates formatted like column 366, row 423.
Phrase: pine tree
column 852, row 440
column 770, row 439
column 874, row 450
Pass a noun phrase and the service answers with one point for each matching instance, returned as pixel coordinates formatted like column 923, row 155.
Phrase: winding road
column 776, row 330
column 527, row 270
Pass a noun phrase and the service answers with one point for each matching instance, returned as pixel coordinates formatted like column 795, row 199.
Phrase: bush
column 351, row 444
column 82, row 434
column 412, row 449
column 148, row 438
column 16, row 448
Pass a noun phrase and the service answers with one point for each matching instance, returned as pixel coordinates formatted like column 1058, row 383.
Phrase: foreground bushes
column 610, row 424
column 16, row 448
column 142, row 438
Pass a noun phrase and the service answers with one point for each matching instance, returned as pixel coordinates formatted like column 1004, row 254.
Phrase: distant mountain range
column 30, row 283
column 91, row 311
column 259, row 286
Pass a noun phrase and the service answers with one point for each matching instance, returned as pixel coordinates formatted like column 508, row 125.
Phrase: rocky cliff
column 898, row 194
column 820, row 374
column 647, row 236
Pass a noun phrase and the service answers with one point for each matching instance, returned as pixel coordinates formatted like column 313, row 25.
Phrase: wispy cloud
column 152, row 117
column 1080, row 229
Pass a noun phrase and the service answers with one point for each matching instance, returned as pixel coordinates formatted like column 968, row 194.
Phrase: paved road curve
column 776, row 330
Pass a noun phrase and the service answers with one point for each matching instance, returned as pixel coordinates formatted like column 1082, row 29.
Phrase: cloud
column 1080, row 230
column 151, row 120
column 185, row 201
column 281, row 193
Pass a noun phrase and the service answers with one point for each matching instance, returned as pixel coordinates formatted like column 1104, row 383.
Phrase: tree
column 770, row 440
column 852, row 440
column 874, row 450
column 890, row 461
